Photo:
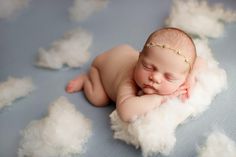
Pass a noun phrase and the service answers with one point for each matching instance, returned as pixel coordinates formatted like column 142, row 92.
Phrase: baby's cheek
column 140, row 77
column 169, row 88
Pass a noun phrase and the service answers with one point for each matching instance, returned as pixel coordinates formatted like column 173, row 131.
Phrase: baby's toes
column 70, row 87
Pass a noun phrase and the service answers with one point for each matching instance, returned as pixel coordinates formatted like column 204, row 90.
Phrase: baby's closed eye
column 148, row 66
column 171, row 78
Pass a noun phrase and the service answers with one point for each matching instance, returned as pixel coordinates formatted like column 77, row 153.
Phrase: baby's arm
column 129, row 105
column 199, row 65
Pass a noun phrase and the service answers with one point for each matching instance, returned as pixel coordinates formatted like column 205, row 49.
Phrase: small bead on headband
column 178, row 52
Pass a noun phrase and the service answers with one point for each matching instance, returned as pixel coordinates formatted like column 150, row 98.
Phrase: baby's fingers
column 183, row 97
column 184, row 87
column 180, row 92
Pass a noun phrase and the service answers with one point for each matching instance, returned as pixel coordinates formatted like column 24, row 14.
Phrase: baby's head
column 165, row 61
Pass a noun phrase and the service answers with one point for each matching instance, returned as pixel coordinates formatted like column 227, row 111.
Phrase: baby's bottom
column 92, row 86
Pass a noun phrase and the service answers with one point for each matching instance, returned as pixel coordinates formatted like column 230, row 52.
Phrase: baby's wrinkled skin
column 139, row 82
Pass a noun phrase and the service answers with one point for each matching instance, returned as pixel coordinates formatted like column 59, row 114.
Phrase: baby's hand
column 181, row 93
column 189, row 84
column 191, row 80
column 184, row 93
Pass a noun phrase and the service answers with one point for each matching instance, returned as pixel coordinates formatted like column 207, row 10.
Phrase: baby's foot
column 76, row 84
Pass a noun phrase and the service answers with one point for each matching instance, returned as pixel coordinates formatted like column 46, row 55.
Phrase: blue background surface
column 123, row 21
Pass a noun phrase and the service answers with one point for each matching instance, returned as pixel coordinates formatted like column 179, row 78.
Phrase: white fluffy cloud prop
column 71, row 50
column 13, row 89
column 218, row 144
column 155, row 132
column 63, row 132
column 82, row 9
column 9, row 8
column 198, row 18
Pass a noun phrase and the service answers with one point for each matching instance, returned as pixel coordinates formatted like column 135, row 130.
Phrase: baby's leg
column 92, row 86
column 94, row 90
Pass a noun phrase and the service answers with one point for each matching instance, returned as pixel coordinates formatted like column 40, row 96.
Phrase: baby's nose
column 156, row 78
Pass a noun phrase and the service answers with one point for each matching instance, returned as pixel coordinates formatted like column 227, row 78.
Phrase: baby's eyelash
column 171, row 78
column 147, row 66
column 150, row 68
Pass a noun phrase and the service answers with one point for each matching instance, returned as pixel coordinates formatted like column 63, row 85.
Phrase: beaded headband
column 178, row 52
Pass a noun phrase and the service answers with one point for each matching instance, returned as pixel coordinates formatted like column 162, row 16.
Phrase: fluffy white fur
column 71, row 50
column 82, row 9
column 218, row 144
column 9, row 8
column 63, row 132
column 198, row 18
column 13, row 89
column 155, row 132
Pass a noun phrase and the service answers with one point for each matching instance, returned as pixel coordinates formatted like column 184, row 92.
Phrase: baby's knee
column 100, row 101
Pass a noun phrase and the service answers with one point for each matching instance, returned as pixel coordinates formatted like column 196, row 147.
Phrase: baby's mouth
column 150, row 87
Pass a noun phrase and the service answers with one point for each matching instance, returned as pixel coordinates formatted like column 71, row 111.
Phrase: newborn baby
column 139, row 82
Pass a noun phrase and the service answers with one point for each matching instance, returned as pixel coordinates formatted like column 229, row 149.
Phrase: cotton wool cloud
column 218, row 144
column 71, row 50
column 82, row 9
column 154, row 133
column 63, row 132
column 10, row 8
column 14, row 88
column 197, row 17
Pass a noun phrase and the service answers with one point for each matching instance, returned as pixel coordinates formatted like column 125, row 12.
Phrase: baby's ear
column 140, row 54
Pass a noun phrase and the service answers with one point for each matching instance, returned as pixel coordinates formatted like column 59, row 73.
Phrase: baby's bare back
column 115, row 66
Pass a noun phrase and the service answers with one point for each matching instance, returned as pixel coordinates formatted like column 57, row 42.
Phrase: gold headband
column 178, row 52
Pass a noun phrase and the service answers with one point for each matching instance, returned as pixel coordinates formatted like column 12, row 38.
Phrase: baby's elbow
column 125, row 116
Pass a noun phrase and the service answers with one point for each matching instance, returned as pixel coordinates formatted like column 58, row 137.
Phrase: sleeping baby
column 140, row 82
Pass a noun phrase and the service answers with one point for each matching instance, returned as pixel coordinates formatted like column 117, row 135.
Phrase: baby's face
column 160, row 71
